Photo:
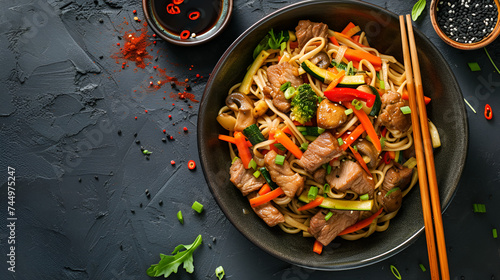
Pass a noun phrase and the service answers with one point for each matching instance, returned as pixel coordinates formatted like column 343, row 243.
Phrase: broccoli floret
column 304, row 104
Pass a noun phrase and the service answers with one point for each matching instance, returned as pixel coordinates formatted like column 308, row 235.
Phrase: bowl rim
column 464, row 46
column 219, row 26
column 346, row 265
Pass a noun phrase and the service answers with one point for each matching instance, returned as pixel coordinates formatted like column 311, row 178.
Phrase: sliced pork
column 390, row 113
column 325, row 231
column 396, row 177
column 267, row 212
column 320, row 151
column 306, row 30
column 289, row 181
column 319, row 176
column 243, row 178
column 351, row 176
column 277, row 75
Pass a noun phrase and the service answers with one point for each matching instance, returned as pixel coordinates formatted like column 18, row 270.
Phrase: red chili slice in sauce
column 488, row 113
column 191, row 164
column 185, row 34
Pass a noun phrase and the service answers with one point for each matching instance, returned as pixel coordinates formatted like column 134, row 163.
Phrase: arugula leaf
column 417, row 9
column 272, row 40
column 169, row 264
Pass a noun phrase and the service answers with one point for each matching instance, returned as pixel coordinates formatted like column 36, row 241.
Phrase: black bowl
column 446, row 110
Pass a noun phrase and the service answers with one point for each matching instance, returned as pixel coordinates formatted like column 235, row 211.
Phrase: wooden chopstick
column 425, row 160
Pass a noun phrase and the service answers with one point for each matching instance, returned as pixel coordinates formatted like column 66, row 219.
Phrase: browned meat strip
column 267, row 212
column 306, row 30
column 277, row 75
column 289, row 181
column 390, row 113
column 350, row 175
column 320, row 151
column 394, row 178
column 243, row 178
column 319, row 176
column 325, row 231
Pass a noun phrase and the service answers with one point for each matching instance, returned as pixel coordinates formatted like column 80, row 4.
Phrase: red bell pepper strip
column 284, row 140
column 318, row 247
column 243, row 151
column 348, row 139
column 349, row 94
column 360, row 160
column 367, row 124
column 315, row 203
column 259, row 200
column 488, row 113
column 358, row 55
column 361, row 224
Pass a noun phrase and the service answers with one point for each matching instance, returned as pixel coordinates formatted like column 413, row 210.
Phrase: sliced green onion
column 341, row 142
column 422, row 267
column 146, row 152
column 329, row 215
column 198, row 207
column 357, row 104
column 491, row 60
column 285, row 86
column 179, row 217
column 391, row 191
column 395, row 272
column 280, row 146
column 364, row 197
column 304, row 146
column 256, row 174
column 494, row 231
column 219, row 272
column 234, row 159
column 350, row 69
column 252, row 164
column 290, row 92
column 326, row 188
column 474, row 66
column 381, row 84
column 479, row 208
column 313, row 192
column 382, row 141
column 283, row 46
column 348, row 112
column 328, row 169
column 405, row 109
column 355, row 148
column 279, row 159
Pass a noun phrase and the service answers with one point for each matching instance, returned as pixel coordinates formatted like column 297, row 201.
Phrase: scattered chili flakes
column 134, row 48
column 154, row 35
column 145, row 111
column 117, row 44
column 197, row 75
column 172, row 162
column 134, row 11
column 164, row 131
column 169, row 116
column 136, row 118
column 185, row 129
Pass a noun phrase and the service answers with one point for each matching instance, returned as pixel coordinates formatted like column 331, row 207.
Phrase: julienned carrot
column 404, row 96
column 336, row 80
column 259, row 200
column 361, row 224
column 358, row 55
column 367, row 124
column 265, row 189
column 348, row 27
column 334, row 41
column 271, row 137
column 315, row 203
column 350, row 39
column 318, row 247
column 284, row 140
column 287, row 130
column 231, row 140
column 348, row 139
column 243, row 151
column 360, row 160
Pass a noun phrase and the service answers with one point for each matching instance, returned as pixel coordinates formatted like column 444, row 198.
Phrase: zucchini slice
column 319, row 73
column 341, row 204
column 352, row 81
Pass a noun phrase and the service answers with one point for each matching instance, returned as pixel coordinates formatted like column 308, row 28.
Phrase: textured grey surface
column 62, row 107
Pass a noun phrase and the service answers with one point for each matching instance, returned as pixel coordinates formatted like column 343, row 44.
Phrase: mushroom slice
column 243, row 106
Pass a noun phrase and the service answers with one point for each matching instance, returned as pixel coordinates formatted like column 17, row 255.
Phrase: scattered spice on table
column 467, row 21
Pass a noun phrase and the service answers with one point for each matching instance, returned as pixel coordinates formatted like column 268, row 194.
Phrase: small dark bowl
column 446, row 110
column 216, row 29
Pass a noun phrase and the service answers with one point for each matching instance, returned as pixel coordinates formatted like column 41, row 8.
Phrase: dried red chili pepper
column 191, row 164
column 488, row 113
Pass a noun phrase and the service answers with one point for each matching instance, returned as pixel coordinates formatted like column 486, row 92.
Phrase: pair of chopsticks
column 425, row 159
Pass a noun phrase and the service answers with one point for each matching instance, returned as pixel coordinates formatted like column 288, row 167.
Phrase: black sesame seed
column 119, row 132
column 160, row 202
column 140, row 204
column 79, row 180
column 97, row 178
column 163, row 140
column 132, row 211
column 121, row 247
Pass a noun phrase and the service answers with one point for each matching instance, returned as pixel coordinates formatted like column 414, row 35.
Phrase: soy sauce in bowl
column 187, row 22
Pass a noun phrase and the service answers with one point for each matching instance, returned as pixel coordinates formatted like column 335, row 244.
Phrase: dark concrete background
column 80, row 196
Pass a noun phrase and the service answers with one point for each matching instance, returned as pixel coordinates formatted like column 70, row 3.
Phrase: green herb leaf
column 417, row 9
column 272, row 40
column 169, row 264
column 474, row 66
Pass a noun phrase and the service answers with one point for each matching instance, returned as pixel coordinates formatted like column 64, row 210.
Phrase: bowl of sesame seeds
column 466, row 24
